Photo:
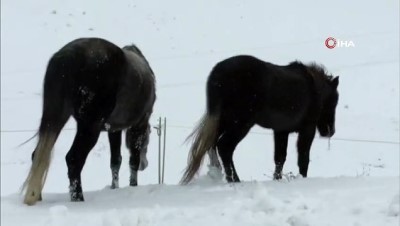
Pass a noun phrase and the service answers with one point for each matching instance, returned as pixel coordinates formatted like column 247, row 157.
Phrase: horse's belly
column 124, row 116
column 279, row 121
column 118, row 121
column 131, row 106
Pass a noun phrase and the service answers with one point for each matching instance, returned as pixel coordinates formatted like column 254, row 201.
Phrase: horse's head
column 326, row 122
column 326, row 88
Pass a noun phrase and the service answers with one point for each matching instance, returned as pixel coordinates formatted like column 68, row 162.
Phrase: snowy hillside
column 353, row 182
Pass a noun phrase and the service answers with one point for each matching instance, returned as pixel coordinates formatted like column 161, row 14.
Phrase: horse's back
column 238, row 75
column 92, row 54
column 241, row 80
column 88, row 57
column 90, row 46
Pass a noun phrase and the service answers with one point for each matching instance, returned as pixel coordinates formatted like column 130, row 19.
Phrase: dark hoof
column 277, row 176
column 133, row 184
column 233, row 180
column 303, row 175
column 77, row 197
column 114, row 185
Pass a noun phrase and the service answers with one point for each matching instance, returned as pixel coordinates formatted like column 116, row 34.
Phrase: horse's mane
column 317, row 70
column 320, row 70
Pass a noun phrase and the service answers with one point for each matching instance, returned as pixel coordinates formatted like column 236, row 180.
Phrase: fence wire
column 251, row 132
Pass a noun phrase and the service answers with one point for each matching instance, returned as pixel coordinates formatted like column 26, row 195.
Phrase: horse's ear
column 335, row 82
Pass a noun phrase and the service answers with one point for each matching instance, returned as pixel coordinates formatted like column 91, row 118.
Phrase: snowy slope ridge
column 352, row 182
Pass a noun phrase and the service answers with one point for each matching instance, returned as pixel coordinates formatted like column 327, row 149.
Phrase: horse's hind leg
column 226, row 146
column 40, row 195
column 137, row 139
column 115, row 162
column 214, row 161
column 85, row 139
column 305, row 139
column 280, row 141
column 214, row 168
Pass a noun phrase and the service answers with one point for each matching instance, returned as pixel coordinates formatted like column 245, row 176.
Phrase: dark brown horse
column 243, row 91
column 103, row 87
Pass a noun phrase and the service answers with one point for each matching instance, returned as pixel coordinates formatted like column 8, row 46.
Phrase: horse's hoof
column 133, row 184
column 215, row 173
column 234, row 182
column 231, row 180
column 299, row 176
column 77, row 197
column 114, row 185
column 277, row 176
column 80, row 199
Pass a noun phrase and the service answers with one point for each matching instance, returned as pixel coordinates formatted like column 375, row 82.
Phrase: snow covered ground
column 354, row 182
column 315, row 201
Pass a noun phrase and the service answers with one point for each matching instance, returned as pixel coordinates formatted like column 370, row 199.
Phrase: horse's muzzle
column 327, row 131
column 331, row 131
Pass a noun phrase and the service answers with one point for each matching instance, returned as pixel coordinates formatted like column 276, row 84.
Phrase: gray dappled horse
column 103, row 87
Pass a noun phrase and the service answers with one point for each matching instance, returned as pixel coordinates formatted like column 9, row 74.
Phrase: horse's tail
column 207, row 132
column 56, row 111
column 205, row 136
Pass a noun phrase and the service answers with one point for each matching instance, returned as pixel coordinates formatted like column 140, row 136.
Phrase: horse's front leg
column 137, row 139
column 85, row 139
column 115, row 161
column 280, row 142
column 304, row 141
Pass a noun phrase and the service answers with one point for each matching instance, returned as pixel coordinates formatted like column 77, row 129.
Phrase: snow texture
column 354, row 181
